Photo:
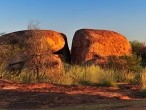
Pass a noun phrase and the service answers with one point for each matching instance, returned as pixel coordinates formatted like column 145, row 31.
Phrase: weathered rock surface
column 91, row 45
column 39, row 48
column 54, row 40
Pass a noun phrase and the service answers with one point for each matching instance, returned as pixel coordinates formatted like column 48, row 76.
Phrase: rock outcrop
column 39, row 48
column 91, row 45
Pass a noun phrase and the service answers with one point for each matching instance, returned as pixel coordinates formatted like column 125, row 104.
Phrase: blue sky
column 127, row 17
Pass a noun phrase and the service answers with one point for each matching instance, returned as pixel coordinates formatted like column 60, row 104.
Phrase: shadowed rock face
column 65, row 50
column 90, row 44
column 37, row 46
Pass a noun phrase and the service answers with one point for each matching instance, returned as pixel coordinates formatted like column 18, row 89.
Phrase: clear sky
column 127, row 17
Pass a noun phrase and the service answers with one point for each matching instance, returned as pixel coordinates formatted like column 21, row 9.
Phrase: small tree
column 33, row 25
column 37, row 47
column 136, row 45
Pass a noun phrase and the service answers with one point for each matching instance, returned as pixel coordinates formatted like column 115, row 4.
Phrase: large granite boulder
column 38, row 48
column 91, row 45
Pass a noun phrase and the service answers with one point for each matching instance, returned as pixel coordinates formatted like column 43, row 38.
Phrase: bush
column 127, row 77
column 136, row 45
column 125, row 63
column 139, row 49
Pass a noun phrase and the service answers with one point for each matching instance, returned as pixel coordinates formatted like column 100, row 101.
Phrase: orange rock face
column 38, row 48
column 89, row 44
column 54, row 40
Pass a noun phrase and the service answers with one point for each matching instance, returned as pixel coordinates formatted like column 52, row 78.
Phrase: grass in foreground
column 76, row 75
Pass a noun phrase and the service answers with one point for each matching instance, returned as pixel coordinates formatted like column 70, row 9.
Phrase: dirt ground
column 44, row 95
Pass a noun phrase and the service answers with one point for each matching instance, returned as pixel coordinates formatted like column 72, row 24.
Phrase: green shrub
column 136, row 45
column 125, row 63
column 127, row 77
column 78, row 75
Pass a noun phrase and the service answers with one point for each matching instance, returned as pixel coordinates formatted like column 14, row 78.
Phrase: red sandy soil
column 42, row 95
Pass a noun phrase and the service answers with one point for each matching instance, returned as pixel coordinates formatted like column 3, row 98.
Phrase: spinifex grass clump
column 72, row 74
column 142, row 82
column 24, row 77
column 89, row 75
column 94, row 75
column 143, row 79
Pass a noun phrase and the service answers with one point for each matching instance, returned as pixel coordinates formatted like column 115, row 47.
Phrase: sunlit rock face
column 39, row 48
column 95, row 45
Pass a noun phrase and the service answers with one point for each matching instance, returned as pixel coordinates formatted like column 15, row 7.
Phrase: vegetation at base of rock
column 126, row 63
column 118, row 69
column 6, row 54
column 79, row 75
column 43, row 59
